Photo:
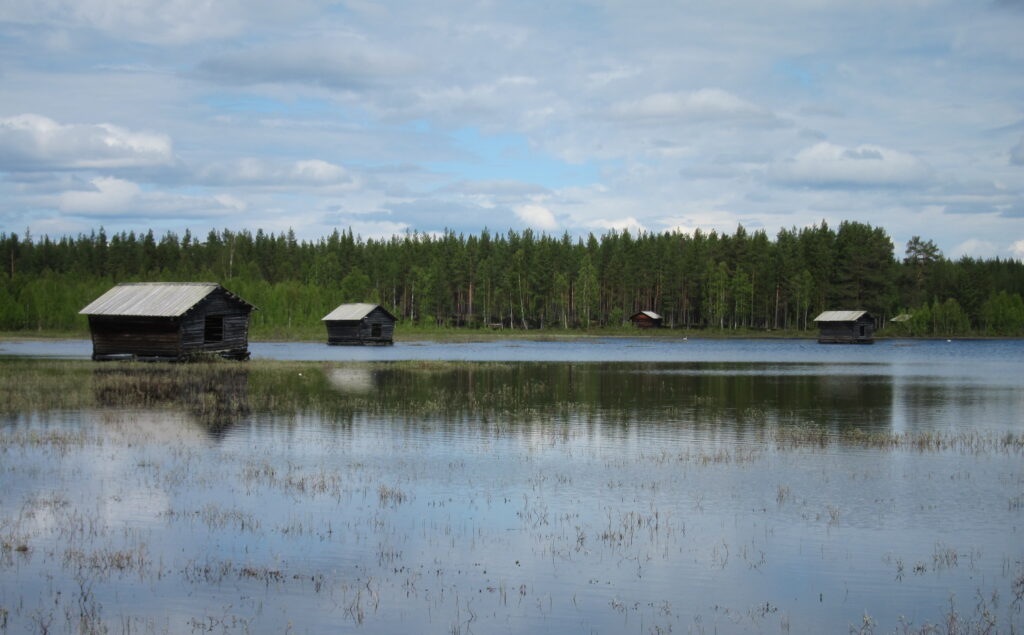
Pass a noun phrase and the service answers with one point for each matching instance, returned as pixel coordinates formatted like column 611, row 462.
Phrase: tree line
column 700, row 280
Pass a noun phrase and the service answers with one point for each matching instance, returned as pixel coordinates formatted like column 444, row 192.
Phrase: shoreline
column 472, row 336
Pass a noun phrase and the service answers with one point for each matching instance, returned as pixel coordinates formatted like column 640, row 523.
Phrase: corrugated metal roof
column 840, row 316
column 355, row 311
column 652, row 315
column 150, row 299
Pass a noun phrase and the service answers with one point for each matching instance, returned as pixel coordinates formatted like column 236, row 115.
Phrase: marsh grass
column 217, row 517
column 502, row 396
column 103, row 563
column 391, row 495
column 969, row 442
column 12, row 544
column 531, row 472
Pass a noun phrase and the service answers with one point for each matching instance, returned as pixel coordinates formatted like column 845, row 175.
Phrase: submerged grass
column 383, row 520
column 972, row 442
column 496, row 395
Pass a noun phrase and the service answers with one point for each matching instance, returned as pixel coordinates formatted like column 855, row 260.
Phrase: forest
column 715, row 282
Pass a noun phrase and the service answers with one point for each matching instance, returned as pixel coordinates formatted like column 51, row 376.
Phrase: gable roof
column 353, row 311
column 840, row 316
column 153, row 299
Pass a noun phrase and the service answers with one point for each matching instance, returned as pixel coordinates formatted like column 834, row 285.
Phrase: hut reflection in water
column 216, row 395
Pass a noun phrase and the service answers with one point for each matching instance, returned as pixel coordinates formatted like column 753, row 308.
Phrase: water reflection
column 441, row 497
column 216, row 396
column 675, row 395
column 353, row 380
column 731, row 398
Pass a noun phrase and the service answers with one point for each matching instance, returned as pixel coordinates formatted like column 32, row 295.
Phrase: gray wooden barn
column 359, row 324
column 646, row 320
column 846, row 327
column 168, row 321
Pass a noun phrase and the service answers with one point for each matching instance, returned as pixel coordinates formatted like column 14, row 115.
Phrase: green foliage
column 1003, row 314
column 744, row 281
column 922, row 258
column 864, row 272
column 939, row 319
column 949, row 318
column 356, row 287
column 587, row 291
column 616, row 317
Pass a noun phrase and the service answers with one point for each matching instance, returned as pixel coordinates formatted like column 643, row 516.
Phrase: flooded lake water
column 597, row 486
column 942, row 355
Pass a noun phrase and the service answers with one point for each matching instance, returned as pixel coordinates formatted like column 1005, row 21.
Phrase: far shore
column 468, row 335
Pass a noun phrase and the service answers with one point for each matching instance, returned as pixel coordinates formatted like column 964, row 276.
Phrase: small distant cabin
column 168, row 321
column 646, row 320
column 360, row 324
column 901, row 323
column 846, row 327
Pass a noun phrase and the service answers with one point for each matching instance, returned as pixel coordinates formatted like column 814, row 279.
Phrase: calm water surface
column 639, row 349
column 702, row 486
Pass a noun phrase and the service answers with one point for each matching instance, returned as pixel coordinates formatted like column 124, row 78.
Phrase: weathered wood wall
column 360, row 332
column 645, row 322
column 846, row 332
column 174, row 338
column 234, row 342
column 141, row 336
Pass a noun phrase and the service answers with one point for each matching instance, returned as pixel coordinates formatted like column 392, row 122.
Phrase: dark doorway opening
column 214, row 329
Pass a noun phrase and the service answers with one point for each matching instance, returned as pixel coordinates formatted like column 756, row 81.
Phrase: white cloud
column 702, row 105
column 109, row 196
column 703, row 117
column 491, row 102
column 230, row 203
column 165, row 22
column 537, row 217
column 680, row 229
column 345, row 60
column 495, row 188
column 378, row 229
column 975, row 248
column 1017, row 249
column 58, row 226
column 120, row 198
column 35, row 142
column 629, row 223
column 266, row 172
column 828, row 164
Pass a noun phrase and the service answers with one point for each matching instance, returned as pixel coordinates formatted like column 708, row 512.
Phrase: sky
column 567, row 116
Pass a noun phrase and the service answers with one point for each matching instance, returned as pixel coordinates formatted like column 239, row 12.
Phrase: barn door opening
column 213, row 330
column 863, row 332
column 375, row 330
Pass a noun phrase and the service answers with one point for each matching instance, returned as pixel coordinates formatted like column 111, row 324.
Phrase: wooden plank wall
column 174, row 338
column 235, row 341
column 149, row 337
column 845, row 332
column 352, row 332
column 646, row 322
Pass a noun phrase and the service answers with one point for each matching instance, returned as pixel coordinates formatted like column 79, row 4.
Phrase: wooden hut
column 168, row 321
column 360, row 324
column 846, row 327
column 646, row 320
column 901, row 323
